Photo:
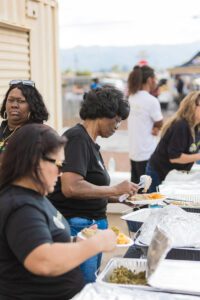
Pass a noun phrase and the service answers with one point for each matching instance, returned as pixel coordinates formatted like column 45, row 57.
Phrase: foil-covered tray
column 177, row 276
column 194, row 198
column 136, row 218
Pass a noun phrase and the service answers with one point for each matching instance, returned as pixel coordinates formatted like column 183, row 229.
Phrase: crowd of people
column 38, row 256
column 156, row 149
column 52, row 186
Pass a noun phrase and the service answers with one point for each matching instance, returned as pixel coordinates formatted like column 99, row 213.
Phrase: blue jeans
column 91, row 265
column 155, row 178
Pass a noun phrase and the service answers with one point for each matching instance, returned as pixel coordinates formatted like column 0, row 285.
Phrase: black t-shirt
column 177, row 140
column 28, row 220
column 83, row 157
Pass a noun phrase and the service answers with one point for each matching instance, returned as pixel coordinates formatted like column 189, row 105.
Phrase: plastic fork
column 143, row 181
column 141, row 185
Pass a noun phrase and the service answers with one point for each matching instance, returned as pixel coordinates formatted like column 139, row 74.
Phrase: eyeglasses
column 24, row 82
column 57, row 163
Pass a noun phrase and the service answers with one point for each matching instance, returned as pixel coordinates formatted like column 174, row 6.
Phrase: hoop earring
column 5, row 115
column 29, row 115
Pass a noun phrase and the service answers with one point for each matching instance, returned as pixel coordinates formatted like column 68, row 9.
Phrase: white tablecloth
column 182, row 183
column 97, row 291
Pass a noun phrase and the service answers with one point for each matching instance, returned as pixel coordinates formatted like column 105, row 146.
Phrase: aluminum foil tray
column 185, row 197
column 184, row 253
column 177, row 276
column 136, row 218
column 137, row 265
column 181, row 277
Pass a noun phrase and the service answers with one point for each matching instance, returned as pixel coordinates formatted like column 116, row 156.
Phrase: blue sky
column 128, row 22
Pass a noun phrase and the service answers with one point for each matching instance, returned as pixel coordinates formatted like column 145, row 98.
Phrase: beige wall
column 39, row 18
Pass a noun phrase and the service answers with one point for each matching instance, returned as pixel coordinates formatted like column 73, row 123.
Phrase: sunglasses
column 57, row 163
column 24, row 82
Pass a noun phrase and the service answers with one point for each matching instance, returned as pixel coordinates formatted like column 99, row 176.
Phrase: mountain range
column 98, row 58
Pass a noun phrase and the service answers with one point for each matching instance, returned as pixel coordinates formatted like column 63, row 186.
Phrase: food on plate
column 125, row 276
column 121, row 237
column 152, row 196
column 155, row 196
column 115, row 229
column 139, row 197
column 185, row 203
column 88, row 232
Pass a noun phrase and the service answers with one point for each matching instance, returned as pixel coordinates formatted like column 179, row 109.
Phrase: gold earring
column 5, row 115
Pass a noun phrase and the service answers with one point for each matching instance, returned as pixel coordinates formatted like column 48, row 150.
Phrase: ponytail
column 138, row 77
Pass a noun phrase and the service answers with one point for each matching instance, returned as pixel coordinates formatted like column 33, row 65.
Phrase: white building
column 29, row 49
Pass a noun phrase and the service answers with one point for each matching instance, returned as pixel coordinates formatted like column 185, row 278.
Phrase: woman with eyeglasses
column 83, row 191
column 37, row 258
column 22, row 104
column 179, row 145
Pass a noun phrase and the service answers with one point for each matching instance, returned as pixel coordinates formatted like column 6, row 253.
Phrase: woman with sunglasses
column 22, row 104
column 83, row 192
column 37, row 259
column 179, row 145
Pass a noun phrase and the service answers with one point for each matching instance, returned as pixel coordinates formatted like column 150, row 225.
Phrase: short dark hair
column 25, row 149
column 105, row 102
column 38, row 110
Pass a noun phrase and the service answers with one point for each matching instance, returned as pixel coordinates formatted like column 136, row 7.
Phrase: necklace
column 4, row 140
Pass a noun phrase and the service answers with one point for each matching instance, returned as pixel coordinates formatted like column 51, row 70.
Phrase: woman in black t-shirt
column 37, row 259
column 180, row 141
column 83, row 191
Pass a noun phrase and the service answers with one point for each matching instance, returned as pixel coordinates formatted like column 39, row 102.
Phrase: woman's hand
column 106, row 240
column 126, row 187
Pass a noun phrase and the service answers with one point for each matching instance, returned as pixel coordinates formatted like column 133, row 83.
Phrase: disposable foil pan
column 177, row 276
column 136, row 218
column 135, row 265
column 181, row 277
column 184, row 253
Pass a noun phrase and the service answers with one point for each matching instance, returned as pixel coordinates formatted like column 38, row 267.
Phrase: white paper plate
column 147, row 201
column 126, row 245
column 80, row 235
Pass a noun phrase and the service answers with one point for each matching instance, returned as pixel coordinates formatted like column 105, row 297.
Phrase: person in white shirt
column 145, row 119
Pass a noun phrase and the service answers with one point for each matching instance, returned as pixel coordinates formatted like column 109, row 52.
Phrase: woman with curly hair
column 180, row 141
column 83, row 191
column 22, row 104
